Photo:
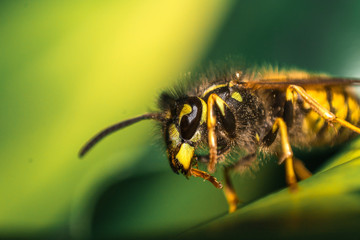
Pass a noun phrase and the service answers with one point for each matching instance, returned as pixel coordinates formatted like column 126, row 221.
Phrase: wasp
column 254, row 111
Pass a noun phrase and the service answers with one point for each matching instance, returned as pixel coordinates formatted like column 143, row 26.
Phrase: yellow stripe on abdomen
column 313, row 123
column 354, row 109
column 339, row 103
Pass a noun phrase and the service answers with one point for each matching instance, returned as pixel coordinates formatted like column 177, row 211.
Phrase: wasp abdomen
column 338, row 100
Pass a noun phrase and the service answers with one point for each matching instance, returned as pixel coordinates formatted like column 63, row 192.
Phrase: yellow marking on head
column 213, row 88
column 237, row 96
column 185, row 155
column 204, row 111
column 174, row 135
column 196, row 137
column 257, row 137
column 185, row 110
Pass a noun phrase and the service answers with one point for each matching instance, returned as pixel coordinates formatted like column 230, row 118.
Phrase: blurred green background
column 69, row 69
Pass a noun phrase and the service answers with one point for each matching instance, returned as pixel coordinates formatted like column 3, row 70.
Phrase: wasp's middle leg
column 229, row 189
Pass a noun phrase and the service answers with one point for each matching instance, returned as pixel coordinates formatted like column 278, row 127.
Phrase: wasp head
column 183, row 129
column 183, row 126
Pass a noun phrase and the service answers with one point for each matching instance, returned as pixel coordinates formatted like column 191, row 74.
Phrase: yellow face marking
column 174, row 135
column 196, row 137
column 185, row 155
column 204, row 111
column 237, row 96
column 213, row 88
column 257, row 137
column 186, row 110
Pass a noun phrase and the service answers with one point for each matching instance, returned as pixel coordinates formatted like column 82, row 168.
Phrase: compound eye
column 190, row 117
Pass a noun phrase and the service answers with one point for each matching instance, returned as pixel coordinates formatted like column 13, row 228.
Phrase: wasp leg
column 229, row 192
column 198, row 173
column 300, row 170
column 323, row 112
column 287, row 153
column 213, row 100
column 211, row 123
column 229, row 189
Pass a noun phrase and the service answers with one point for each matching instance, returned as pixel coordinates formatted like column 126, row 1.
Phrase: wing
column 311, row 81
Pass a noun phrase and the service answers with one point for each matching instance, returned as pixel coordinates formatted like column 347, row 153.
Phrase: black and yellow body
column 247, row 111
column 255, row 111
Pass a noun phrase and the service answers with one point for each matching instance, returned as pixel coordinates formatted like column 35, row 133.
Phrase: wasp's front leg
column 211, row 124
column 198, row 173
column 227, row 120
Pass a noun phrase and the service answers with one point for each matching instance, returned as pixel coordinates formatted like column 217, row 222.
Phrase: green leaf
column 162, row 204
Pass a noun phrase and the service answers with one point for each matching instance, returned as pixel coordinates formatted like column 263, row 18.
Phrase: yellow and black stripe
column 341, row 102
